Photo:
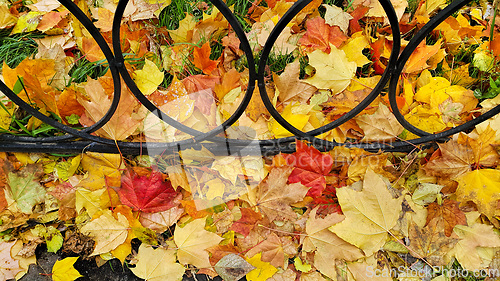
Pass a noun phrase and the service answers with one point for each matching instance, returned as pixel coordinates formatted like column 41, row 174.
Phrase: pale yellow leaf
column 192, row 240
column 370, row 214
column 333, row 71
column 328, row 245
column 379, row 126
column 108, row 232
column 466, row 251
column 157, row 265
column 336, row 16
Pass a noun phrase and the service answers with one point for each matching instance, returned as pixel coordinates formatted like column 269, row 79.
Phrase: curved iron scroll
column 74, row 141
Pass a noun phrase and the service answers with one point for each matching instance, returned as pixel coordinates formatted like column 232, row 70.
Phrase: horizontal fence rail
column 75, row 141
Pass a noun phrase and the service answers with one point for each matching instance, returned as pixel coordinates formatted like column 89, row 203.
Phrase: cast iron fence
column 75, row 141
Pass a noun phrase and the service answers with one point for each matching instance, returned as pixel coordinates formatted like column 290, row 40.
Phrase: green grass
column 84, row 68
column 176, row 11
column 14, row 49
column 240, row 10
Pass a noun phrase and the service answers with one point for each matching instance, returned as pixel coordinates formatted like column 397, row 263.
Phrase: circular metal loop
column 403, row 58
column 293, row 11
column 85, row 133
column 198, row 136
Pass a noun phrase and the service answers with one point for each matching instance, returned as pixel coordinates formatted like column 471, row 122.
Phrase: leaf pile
column 346, row 214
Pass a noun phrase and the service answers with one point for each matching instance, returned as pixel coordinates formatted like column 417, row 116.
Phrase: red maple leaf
column 247, row 221
column 327, row 202
column 356, row 15
column 376, row 50
column 311, row 167
column 146, row 194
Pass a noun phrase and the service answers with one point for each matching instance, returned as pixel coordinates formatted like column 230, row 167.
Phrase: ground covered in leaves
column 346, row 214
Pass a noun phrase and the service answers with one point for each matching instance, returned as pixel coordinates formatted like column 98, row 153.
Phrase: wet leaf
column 9, row 267
column 108, row 232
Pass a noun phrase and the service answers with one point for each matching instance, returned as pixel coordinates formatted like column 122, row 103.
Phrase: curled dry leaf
column 233, row 267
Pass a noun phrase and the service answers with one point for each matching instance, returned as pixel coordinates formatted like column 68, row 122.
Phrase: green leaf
column 25, row 188
column 492, row 83
column 73, row 119
column 54, row 243
column 18, row 87
column 145, row 235
column 304, row 267
column 52, row 237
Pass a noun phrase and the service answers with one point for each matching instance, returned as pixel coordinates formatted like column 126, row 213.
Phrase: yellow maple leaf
column 27, row 22
column 182, row 34
column 426, row 120
column 192, row 240
column 370, row 214
column 63, row 270
column 328, row 245
column 6, row 18
column 458, row 76
column 157, row 265
column 333, row 71
column 482, row 187
column 353, row 49
column 336, row 16
column 440, row 89
column 262, row 271
column 108, row 232
column 296, row 120
column 418, row 59
column 430, row 7
column 103, row 170
column 124, row 121
column 148, row 78
column 88, row 199
column 6, row 115
column 123, row 250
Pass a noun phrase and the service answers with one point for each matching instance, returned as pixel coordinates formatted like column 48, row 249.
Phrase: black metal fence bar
column 75, row 141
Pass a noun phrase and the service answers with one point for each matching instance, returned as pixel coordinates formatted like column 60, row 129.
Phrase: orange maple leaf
column 91, row 50
column 201, row 59
column 319, row 35
column 418, row 59
column 448, row 212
